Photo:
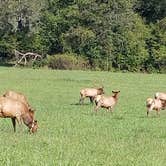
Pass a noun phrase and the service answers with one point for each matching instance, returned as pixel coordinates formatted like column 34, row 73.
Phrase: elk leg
column 81, row 100
column 91, row 99
column 19, row 120
column 14, row 123
column 158, row 112
column 149, row 110
column 96, row 102
column 96, row 108
column 109, row 109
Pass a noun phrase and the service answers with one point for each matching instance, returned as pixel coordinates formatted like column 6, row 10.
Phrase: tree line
column 127, row 35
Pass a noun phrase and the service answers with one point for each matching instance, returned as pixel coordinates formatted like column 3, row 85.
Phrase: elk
column 161, row 96
column 107, row 102
column 17, row 111
column 154, row 104
column 97, row 98
column 91, row 93
column 17, row 96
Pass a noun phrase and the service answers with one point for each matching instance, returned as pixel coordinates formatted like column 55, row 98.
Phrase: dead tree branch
column 26, row 57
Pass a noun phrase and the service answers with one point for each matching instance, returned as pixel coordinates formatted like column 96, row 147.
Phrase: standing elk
column 17, row 111
column 91, row 93
column 154, row 104
column 107, row 102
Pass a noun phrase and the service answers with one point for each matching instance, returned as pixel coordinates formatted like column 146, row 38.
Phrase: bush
column 38, row 64
column 5, row 51
column 67, row 62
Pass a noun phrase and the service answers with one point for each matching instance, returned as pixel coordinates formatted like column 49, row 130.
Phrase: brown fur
column 161, row 96
column 17, row 96
column 17, row 111
column 91, row 93
column 154, row 104
column 107, row 102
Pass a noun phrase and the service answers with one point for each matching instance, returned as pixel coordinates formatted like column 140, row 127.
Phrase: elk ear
column 35, row 121
column 32, row 109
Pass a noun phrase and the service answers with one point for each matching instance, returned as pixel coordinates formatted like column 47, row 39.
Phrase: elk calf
column 91, row 93
column 153, row 104
column 107, row 102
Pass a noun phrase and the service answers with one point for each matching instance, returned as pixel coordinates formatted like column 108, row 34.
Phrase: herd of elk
column 108, row 102
column 14, row 105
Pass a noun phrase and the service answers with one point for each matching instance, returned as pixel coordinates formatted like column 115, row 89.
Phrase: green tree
column 19, row 21
column 157, row 47
column 152, row 10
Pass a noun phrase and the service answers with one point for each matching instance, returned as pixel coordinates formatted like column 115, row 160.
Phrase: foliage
column 152, row 10
column 121, row 35
column 67, row 61
column 38, row 63
column 19, row 25
column 156, row 48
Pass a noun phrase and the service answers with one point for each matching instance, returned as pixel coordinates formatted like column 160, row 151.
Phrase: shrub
column 5, row 51
column 67, row 61
column 38, row 64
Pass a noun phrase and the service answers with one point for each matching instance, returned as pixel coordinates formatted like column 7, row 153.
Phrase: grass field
column 71, row 134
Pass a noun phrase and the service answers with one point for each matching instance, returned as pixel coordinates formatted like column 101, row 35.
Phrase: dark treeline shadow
column 5, row 64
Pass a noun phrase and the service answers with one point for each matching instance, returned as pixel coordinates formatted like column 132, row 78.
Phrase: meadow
column 72, row 134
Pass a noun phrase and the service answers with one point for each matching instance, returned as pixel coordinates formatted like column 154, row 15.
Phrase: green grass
column 71, row 134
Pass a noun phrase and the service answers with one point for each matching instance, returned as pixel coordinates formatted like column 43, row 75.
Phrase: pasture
column 72, row 134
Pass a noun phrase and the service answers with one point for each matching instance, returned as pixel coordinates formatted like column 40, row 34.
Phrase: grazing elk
column 17, row 96
column 154, row 104
column 17, row 111
column 91, row 93
column 107, row 102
